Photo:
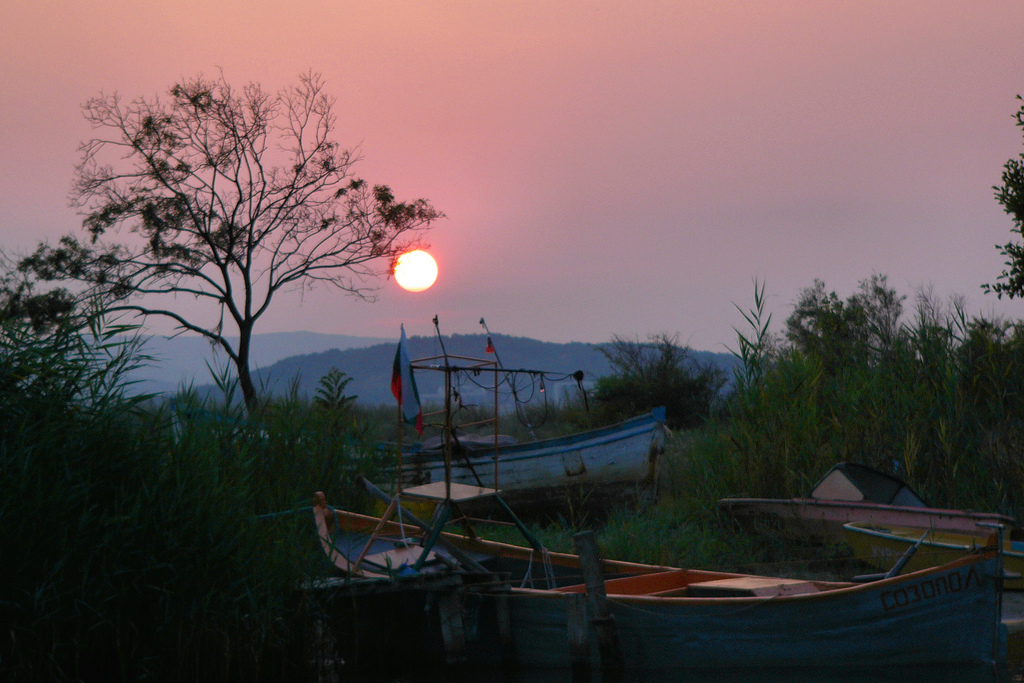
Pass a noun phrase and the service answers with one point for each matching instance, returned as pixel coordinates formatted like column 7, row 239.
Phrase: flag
column 490, row 346
column 403, row 386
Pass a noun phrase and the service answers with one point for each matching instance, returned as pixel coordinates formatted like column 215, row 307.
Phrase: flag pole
column 398, row 479
column 447, row 445
column 406, row 395
column 401, row 428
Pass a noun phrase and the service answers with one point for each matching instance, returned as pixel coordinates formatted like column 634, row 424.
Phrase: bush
column 658, row 372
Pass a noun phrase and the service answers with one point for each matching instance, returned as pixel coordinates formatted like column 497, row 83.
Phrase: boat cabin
column 859, row 483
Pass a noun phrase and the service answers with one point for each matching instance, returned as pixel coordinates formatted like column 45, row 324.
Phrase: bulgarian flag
column 403, row 386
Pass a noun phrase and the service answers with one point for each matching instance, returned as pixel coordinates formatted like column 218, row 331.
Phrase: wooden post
column 444, row 512
column 390, row 510
column 578, row 635
column 447, row 446
column 453, row 628
column 508, row 644
column 603, row 620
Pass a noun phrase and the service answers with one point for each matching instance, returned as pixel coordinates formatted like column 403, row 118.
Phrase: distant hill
column 370, row 367
column 181, row 360
column 279, row 358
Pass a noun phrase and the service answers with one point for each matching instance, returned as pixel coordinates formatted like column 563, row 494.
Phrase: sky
column 622, row 168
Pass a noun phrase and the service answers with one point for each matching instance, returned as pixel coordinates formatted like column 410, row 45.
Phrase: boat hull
column 882, row 546
column 810, row 518
column 666, row 619
column 597, row 466
column 917, row 621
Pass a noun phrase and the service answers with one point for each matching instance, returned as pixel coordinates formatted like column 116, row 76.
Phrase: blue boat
column 599, row 465
column 495, row 604
column 691, row 620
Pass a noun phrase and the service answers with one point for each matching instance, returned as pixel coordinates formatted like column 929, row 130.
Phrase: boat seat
column 437, row 491
column 750, row 586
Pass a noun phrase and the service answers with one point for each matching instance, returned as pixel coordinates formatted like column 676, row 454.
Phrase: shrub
column 658, row 372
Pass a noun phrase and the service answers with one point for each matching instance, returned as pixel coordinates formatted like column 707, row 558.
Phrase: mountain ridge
column 284, row 359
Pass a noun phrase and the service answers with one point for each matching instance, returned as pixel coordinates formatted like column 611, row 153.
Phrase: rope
column 529, row 572
column 271, row 515
column 401, row 525
column 549, row 571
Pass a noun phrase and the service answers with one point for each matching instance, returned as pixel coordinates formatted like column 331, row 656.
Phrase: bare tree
column 231, row 197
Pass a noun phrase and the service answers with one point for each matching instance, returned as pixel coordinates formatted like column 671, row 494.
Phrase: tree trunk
column 242, row 366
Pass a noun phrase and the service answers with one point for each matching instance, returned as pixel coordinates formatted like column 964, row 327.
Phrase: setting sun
column 415, row 271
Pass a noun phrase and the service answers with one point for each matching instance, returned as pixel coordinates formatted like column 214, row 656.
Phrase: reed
column 937, row 400
column 939, row 405
column 132, row 542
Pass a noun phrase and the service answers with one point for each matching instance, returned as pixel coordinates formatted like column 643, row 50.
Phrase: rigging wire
column 521, row 414
column 521, row 385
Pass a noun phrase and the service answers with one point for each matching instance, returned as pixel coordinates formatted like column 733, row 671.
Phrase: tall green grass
column 940, row 405
column 131, row 542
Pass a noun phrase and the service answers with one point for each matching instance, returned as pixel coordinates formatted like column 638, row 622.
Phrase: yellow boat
column 882, row 546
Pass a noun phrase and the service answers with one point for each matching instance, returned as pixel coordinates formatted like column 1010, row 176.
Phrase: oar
column 896, row 568
column 906, row 556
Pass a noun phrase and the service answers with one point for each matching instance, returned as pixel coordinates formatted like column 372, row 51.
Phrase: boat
column 471, row 601
column 595, row 467
column 882, row 545
column 851, row 492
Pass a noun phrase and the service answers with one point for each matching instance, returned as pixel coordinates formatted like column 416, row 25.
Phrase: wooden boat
column 882, row 545
column 595, row 466
column 850, row 492
column 495, row 604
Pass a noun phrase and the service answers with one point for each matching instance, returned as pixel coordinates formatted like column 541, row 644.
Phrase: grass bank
column 936, row 399
column 135, row 540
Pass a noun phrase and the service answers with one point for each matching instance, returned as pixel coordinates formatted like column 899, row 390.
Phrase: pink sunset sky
column 606, row 168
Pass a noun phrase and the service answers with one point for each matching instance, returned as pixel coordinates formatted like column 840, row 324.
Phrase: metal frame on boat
column 592, row 467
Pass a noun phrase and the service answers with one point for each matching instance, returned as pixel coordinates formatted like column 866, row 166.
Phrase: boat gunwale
column 843, row 588
column 624, row 566
column 862, row 505
column 887, row 535
column 368, row 522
